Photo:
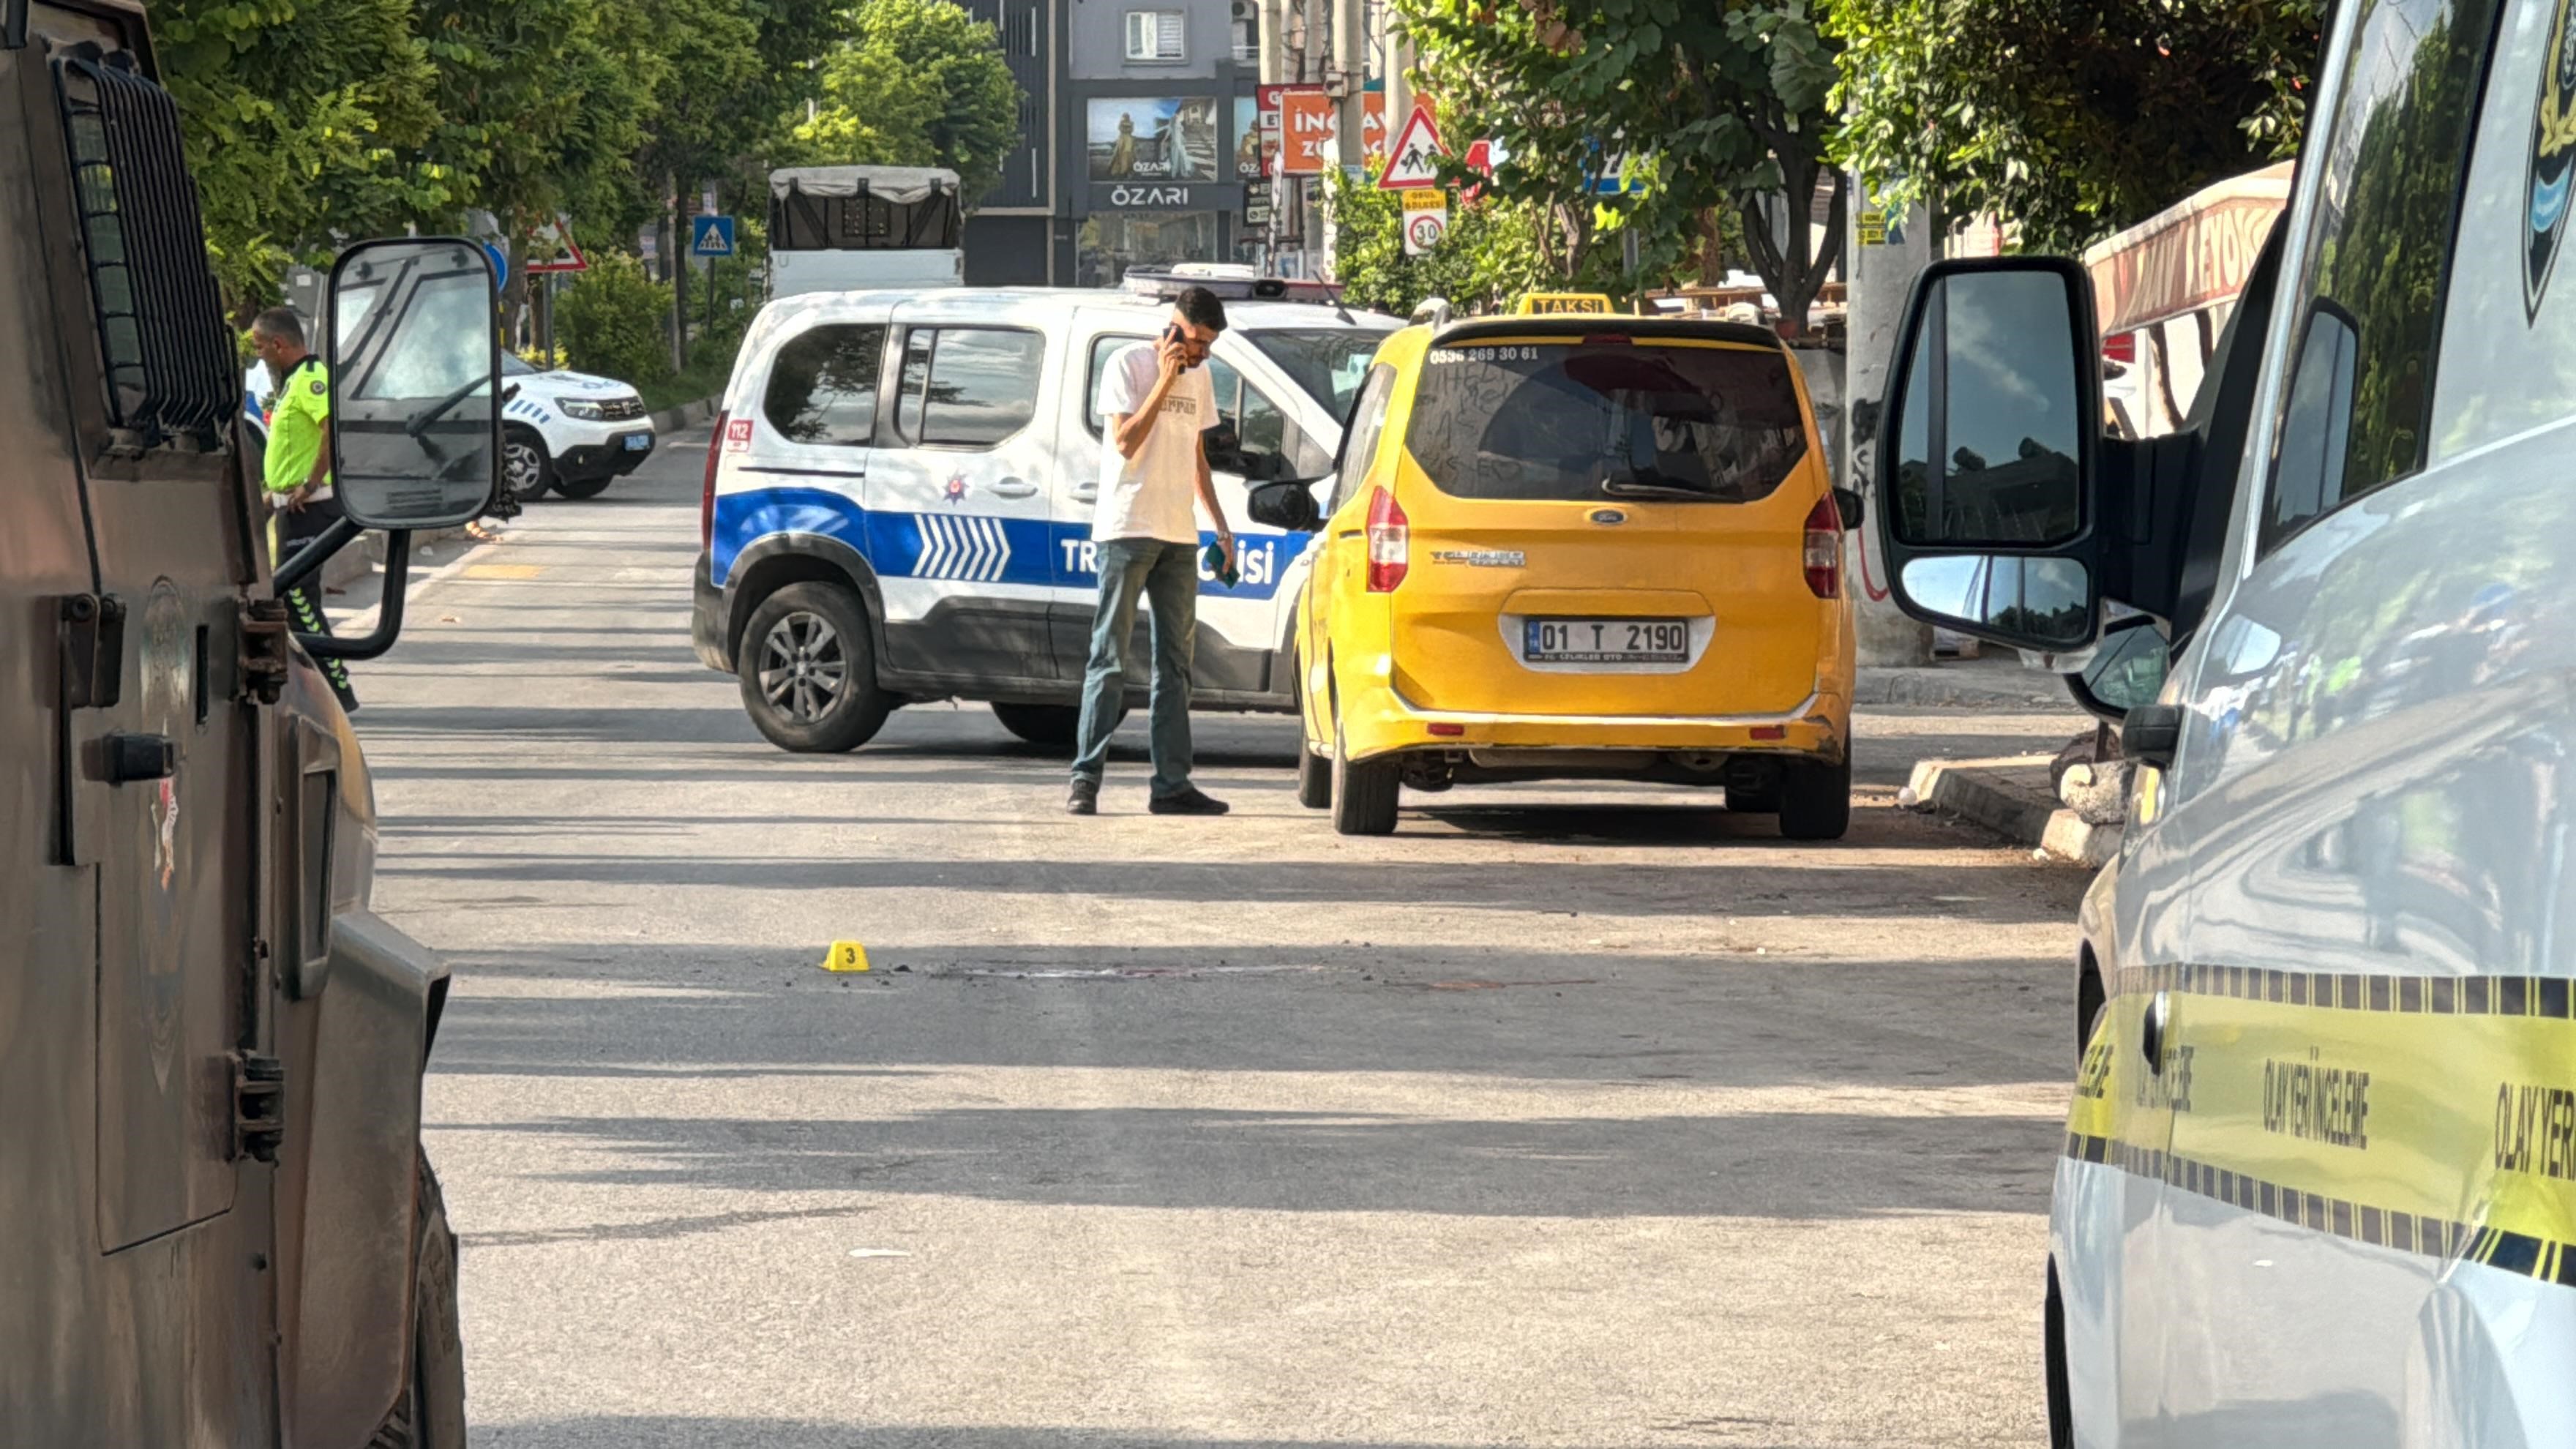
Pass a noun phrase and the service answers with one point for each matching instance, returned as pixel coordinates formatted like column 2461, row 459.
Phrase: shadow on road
column 608, row 1431
column 1786, row 1165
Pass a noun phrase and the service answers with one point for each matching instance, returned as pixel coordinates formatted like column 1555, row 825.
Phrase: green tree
column 917, row 83
column 539, row 107
column 2072, row 118
column 304, row 120
column 1715, row 106
column 610, row 321
column 1490, row 257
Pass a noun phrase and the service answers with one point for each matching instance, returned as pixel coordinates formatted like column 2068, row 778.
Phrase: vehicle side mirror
column 1987, row 454
column 1847, row 502
column 1288, row 503
column 2127, row 670
column 415, row 382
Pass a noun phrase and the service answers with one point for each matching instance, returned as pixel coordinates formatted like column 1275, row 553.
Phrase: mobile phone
column 1172, row 333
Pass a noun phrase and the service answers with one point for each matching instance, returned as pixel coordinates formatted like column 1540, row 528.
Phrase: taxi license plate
column 638, row 442
column 1605, row 641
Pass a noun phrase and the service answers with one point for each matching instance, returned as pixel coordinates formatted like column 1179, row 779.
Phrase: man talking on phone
column 1155, row 398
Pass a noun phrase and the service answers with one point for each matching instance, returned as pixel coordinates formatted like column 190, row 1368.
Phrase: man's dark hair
column 280, row 322
column 1200, row 308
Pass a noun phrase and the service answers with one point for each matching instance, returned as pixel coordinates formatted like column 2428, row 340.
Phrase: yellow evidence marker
column 846, row 956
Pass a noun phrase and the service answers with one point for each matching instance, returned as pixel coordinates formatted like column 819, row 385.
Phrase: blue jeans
column 1168, row 575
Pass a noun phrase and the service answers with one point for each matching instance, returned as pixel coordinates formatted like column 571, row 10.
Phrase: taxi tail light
column 1390, row 544
column 707, row 492
column 1825, row 549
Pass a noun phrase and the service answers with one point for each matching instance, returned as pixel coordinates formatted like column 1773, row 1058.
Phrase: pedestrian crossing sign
column 711, row 236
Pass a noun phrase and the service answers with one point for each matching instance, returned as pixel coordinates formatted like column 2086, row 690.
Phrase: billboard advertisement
column 1162, row 138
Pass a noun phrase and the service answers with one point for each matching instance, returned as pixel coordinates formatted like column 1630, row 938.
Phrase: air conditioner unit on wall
column 1247, row 12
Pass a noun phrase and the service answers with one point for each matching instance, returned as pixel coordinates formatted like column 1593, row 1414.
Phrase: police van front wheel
column 808, row 672
column 526, row 469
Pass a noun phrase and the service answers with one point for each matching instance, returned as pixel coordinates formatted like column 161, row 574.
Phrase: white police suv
column 569, row 431
column 899, row 494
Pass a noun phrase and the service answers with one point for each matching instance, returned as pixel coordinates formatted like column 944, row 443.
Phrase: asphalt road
column 1578, row 1116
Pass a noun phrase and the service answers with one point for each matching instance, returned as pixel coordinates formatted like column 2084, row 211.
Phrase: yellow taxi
column 1576, row 547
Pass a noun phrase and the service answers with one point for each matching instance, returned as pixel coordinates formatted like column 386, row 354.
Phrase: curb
column 1952, row 687
column 2009, row 797
column 686, row 415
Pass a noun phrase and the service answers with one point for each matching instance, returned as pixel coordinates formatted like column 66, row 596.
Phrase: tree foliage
column 1714, row 106
column 303, row 118
column 1490, row 256
column 917, row 83
column 2073, row 118
column 610, row 321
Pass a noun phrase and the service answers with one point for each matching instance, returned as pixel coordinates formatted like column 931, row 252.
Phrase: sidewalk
column 1997, row 776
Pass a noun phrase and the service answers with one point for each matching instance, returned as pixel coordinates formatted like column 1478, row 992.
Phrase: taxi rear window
column 1584, row 421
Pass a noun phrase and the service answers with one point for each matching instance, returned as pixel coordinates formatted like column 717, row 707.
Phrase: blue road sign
column 711, row 236
column 500, row 263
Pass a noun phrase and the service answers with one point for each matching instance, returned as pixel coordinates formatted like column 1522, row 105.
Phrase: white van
column 899, row 496
column 853, row 228
column 2318, row 1184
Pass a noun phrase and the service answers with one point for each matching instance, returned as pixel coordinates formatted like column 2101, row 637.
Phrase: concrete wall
column 1885, row 254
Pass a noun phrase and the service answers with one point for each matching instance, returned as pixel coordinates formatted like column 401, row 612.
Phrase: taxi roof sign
column 1541, row 303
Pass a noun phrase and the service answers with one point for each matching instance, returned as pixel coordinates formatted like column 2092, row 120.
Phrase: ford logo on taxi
column 1608, row 515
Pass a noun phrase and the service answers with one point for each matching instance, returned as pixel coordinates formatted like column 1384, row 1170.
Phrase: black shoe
column 1191, row 801
column 1083, row 798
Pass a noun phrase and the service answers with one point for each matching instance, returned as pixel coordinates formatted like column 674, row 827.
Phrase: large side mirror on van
column 1288, row 503
column 1987, row 462
column 415, row 383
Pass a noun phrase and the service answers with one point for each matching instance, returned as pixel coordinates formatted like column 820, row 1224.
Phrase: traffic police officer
column 298, row 468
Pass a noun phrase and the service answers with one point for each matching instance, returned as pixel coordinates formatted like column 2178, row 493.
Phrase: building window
column 1154, row 35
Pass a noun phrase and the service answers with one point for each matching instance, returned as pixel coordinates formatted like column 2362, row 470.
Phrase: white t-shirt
column 1155, row 493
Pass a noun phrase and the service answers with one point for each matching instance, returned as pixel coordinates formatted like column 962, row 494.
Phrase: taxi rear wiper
column 1633, row 488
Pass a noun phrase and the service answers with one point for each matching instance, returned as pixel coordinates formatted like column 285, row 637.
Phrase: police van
column 899, row 494
column 2317, row 1186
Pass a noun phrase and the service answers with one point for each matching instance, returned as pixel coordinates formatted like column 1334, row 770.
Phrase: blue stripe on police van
column 952, row 545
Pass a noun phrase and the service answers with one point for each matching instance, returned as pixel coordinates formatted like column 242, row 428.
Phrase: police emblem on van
column 2553, row 161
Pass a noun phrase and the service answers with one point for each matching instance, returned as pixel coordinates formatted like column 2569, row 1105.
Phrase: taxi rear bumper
column 1378, row 720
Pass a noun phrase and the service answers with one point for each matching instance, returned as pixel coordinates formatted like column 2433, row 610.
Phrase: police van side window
column 2509, row 341
column 1359, row 444
column 968, row 387
column 1103, row 349
column 823, row 385
column 2357, row 411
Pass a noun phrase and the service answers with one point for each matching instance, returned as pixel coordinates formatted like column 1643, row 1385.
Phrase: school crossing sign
column 1413, row 162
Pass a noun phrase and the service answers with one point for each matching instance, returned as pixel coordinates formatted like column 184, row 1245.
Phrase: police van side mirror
column 415, row 363
column 1288, row 503
column 1987, row 460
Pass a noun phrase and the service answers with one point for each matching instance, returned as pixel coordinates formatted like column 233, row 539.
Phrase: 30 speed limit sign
column 1426, row 219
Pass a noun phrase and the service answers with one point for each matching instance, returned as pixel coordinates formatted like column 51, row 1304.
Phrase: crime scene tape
column 2429, row 1114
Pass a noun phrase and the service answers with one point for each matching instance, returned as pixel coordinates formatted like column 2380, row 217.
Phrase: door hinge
column 93, row 631
column 263, row 649
column 259, row 1106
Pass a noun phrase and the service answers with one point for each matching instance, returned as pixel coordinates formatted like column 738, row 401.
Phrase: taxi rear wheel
column 1815, row 800
column 808, row 671
column 1753, row 799
column 1314, row 772
column 1364, row 793
column 1314, row 779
